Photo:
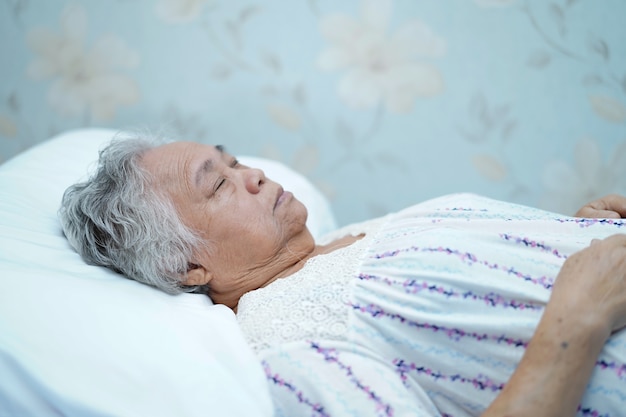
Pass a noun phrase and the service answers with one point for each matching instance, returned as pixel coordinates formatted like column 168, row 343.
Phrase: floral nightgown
column 427, row 315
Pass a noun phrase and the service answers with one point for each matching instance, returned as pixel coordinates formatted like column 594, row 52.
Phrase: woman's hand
column 592, row 284
column 587, row 304
column 612, row 206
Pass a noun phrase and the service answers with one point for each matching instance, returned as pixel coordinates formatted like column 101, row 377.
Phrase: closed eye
column 220, row 182
column 234, row 163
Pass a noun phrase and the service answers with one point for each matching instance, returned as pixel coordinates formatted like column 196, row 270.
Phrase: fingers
column 617, row 203
column 592, row 283
column 616, row 240
column 612, row 205
column 594, row 213
column 613, row 241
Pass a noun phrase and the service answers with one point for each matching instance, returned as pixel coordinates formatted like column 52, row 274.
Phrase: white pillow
column 79, row 340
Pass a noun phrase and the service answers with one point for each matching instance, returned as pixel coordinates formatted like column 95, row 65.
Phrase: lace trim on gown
column 312, row 302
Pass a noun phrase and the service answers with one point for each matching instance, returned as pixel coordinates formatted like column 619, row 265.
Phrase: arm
column 612, row 206
column 588, row 303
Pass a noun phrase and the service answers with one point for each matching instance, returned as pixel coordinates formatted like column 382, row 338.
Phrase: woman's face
column 253, row 228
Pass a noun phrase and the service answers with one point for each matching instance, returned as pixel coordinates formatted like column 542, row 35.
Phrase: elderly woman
column 458, row 306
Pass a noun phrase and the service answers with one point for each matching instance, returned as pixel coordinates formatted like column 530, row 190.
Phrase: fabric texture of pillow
column 79, row 340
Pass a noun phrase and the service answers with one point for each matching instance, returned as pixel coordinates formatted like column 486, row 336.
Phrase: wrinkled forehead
column 173, row 166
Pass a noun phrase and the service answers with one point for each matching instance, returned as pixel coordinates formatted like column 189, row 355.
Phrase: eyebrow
column 206, row 167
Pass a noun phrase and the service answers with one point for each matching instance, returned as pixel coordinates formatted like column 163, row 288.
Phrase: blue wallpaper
column 380, row 103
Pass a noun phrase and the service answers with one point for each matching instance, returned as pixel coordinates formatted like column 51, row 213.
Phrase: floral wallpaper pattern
column 381, row 103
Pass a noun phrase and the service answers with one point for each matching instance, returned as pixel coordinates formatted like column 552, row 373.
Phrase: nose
column 254, row 178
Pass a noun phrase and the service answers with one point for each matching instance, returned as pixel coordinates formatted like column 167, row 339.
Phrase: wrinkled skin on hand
column 587, row 304
column 592, row 284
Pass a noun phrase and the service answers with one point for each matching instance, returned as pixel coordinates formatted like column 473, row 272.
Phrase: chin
column 305, row 211
column 297, row 203
column 300, row 214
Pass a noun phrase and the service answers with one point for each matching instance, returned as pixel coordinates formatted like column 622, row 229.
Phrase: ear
column 197, row 275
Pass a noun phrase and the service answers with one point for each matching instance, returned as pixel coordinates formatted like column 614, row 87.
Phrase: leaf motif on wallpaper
column 507, row 130
column 471, row 136
column 558, row 15
column 284, row 116
column 17, row 7
column 232, row 29
column 487, row 120
column 489, row 167
column 299, row 94
column 306, row 159
column 220, row 71
column 600, row 47
column 478, row 106
column 8, row 128
column 608, row 108
column 539, row 59
column 235, row 27
column 271, row 61
column 314, row 7
column 14, row 102
column 592, row 80
column 247, row 12
column 499, row 114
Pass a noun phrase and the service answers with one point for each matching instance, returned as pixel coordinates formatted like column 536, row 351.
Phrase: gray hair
column 115, row 219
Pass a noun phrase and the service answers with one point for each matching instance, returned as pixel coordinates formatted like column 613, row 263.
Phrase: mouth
column 281, row 196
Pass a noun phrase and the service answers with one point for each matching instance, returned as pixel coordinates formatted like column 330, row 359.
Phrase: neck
column 258, row 276
column 278, row 271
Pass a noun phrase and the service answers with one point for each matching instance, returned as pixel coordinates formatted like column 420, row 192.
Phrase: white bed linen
column 80, row 340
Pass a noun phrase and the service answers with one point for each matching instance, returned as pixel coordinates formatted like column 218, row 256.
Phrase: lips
column 281, row 196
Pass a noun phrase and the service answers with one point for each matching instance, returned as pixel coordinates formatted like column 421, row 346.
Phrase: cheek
column 247, row 236
column 246, row 248
column 251, row 237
